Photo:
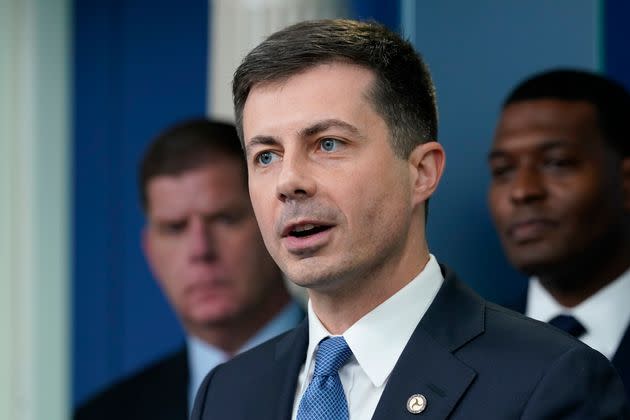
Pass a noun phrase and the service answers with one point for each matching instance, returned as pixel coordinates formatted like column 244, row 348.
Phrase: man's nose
column 202, row 241
column 295, row 180
column 528, row 185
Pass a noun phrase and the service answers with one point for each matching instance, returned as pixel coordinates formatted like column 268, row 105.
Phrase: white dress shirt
column 377, row 340
column 605, row 315
column 202, row 357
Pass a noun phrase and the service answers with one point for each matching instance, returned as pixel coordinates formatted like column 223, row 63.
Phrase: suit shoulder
column 255, row 378
column 513, row 331
column 255, row 355
column 165, row 376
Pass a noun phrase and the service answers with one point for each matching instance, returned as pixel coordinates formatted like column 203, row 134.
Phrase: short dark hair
column 403, row 93
column 609, row 98
column 186, row 146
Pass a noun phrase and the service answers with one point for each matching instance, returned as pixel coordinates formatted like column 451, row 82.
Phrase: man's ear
column 625, row 173
column 426, row 163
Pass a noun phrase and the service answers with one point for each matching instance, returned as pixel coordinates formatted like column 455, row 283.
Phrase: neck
column 363, row 291
column 587, row 275
column 231, row 335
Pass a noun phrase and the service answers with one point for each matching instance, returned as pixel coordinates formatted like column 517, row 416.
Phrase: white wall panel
column 34, row 185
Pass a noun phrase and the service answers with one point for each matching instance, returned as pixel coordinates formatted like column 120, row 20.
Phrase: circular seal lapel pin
column 416, row 404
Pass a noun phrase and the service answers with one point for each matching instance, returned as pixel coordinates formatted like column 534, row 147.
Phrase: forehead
column 215, row 185
column 539, row 120
column 325, row 91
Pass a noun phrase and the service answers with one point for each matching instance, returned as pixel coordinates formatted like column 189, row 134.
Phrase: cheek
column 264, row 219
column 163, row 259
column 581, row 199
column 495, row 199
column 371, row 206
column 257, row 195
column 499, row 205
column 167, row 273
column 250, row 266
column 244, row 249
column 588, row 211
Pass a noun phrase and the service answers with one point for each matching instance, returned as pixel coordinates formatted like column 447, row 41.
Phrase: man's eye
column 266, row 158
column 228, row 219
column 499, row 171
column 329, row 145
column 173, row 228
column 559, row 163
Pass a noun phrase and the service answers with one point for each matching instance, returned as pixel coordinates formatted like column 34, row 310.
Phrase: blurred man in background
column 206, row 252
column 560, row 199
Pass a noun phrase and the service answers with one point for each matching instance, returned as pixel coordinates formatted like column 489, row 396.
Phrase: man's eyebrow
column 324, row 125
column 260, row 141
column 553, row 144
column 496, row 154
column 543, row 147
column 309, row 131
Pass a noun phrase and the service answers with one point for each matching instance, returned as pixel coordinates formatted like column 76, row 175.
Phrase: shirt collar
column 605, row 315
column 398, row 316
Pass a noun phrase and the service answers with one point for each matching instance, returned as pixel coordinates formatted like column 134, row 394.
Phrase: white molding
column 236, row 26
column 34, row 191
column 408, row 18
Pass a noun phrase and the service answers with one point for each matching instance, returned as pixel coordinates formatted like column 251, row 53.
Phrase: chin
column 303, row 280
column 536, row 265
column 215, row 314
column 315, row 279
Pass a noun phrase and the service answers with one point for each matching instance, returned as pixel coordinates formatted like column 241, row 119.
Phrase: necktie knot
column 332, row 354
column 569, row 324
column 324, row 398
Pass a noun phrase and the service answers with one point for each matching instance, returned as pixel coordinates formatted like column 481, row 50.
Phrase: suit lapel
column 289, row 358
column 427, row 366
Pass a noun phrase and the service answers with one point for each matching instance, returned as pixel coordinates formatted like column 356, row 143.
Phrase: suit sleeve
column 581, row 384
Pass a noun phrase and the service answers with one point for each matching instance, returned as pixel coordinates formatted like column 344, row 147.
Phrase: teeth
column 303, row 228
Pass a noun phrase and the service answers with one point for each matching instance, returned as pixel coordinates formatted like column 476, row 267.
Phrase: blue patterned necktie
column 324, row 398
column 569, row 324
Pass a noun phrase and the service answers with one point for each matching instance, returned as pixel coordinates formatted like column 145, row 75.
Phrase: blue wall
column 616, row 34
column 477, row 52
column 139, row 65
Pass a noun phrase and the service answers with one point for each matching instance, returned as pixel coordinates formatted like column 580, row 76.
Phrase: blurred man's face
column 332, row 200
column 205, row 248
column 556, row 191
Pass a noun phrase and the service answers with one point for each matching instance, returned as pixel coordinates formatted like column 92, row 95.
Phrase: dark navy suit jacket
column 158, row 392
column 621, row 359
column 471, row 360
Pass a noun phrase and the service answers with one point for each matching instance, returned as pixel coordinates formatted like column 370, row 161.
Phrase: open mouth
column 304, row 231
